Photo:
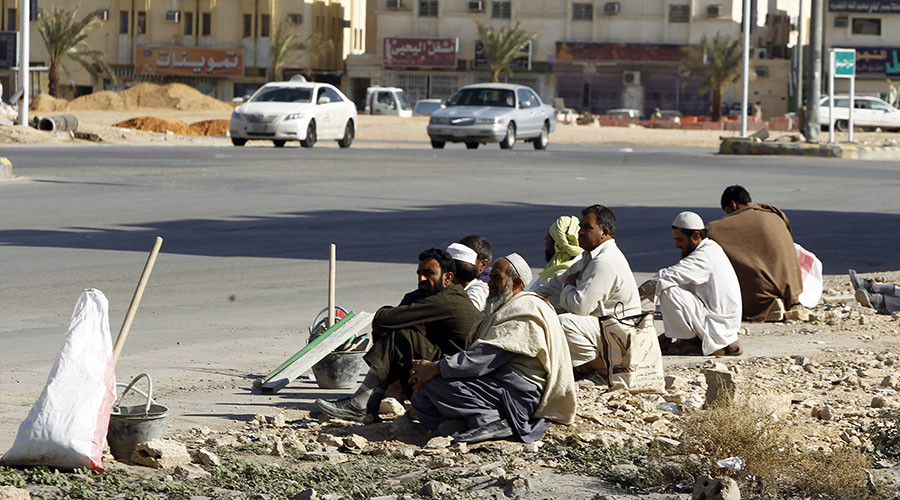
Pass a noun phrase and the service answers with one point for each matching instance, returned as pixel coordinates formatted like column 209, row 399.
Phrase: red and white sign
column 420, row 52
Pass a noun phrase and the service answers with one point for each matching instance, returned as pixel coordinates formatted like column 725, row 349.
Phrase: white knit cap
column 689, row 221
column 518, row 263
column 462, row 253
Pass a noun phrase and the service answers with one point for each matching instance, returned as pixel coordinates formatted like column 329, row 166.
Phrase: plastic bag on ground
column 811, row 275
column 66, row 427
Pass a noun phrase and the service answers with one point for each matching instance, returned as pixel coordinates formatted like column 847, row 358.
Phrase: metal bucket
column 132, row 425
column 340, row 369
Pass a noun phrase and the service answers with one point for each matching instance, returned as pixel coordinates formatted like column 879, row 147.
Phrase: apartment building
column 592, row 54
column 872, row 27
column 220, row 47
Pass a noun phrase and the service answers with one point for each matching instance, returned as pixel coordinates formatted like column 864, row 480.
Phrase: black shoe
column 452, row 427
column 498, row 429
column 341, row 408
column 859, row 283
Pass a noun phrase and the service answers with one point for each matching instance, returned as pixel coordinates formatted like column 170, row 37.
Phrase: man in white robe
column 700, row 296
column 467, row 274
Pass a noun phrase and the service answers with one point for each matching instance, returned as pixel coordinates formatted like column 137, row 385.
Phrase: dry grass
column 764, row 445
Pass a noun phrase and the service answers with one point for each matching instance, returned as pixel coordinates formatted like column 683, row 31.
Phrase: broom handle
column 136, row 300
column 331, row 275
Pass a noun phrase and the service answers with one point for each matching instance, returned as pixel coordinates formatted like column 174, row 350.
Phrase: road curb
column 846, row 151
column 5, row 168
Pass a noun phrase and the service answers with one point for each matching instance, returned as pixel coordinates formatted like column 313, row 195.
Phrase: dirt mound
column 157, row 124
column 45, row 103
column 210, row 127
column 105, row 100
column 174, row 96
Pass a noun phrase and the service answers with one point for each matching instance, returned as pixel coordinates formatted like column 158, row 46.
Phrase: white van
column 387, row 101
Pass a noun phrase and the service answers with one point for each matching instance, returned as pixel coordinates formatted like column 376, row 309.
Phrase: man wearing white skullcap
column 467, row 273
column 700, row 297
column 515, row 375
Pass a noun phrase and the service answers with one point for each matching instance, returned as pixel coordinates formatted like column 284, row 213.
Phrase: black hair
column 605, row 217
column 448, row 265
column 480, row 244
column 689, row 232
column 465, row 272
column 736, row 194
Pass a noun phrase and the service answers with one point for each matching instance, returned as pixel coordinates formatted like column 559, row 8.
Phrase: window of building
column 206, row 20
column 428, row 8
column 265, row 20
column 188, row 23
column 679, row 13
column 582, row 11
column 10, row 19
column 141, row 22
column 248, row 25
column 501, row 10
column 866, row 26
column 123, row 22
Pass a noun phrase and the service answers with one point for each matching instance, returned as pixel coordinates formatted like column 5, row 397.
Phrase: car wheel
column 349, row 133
column 472, row 145
column 437, row 144
column 279, row 143
column 310, row 140
column 238, row 142
column 841, row 125
column 510, row 140
column 544, row 140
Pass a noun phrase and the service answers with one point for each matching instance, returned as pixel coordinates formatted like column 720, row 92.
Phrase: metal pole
column 801, row 39
column 24, row 54
column 746, row 75
column 850, row 108
column 831, row 96
column 331, row 275
column 813, row 126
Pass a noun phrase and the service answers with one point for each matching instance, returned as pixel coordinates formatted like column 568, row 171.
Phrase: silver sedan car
column 493, row 112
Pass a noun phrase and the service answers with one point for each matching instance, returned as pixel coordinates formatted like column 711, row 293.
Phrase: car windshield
column 403, row 103
column 484, row 97
column 427, row 107
column 282, row 94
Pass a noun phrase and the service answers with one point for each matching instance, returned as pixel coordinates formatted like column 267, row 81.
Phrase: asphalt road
column 247, row 229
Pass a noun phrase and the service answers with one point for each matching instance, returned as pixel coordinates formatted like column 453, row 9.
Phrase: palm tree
column 287, row 47
column 66, row 38
column 502, row 46
column 720, row 67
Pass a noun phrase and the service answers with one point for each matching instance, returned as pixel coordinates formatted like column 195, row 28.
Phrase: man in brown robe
column 757, row 239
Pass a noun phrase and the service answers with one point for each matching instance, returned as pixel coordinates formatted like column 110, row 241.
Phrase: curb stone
column 846, row 152
column 5, row 168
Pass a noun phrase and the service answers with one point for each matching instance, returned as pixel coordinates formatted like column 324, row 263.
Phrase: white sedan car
column 295, row 111
column 868, row 112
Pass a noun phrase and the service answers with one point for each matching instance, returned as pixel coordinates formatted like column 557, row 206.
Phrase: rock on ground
column 161, row 454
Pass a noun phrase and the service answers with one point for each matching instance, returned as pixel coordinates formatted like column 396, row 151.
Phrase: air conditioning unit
column 841, row 22
column 631, row 78
column 295, row 18
column 713, row 10
column 345, row 23
column 393, row 4
column 611, row 7
column 761, row 53
column 173, row 16
column 476, row 5
column 102, row 14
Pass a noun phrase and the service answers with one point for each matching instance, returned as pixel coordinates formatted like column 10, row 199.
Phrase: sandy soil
column 384, row 131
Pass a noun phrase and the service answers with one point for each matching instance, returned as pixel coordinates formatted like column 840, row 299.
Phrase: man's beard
column 688, row 249
column 495, row 302
column 549, row 253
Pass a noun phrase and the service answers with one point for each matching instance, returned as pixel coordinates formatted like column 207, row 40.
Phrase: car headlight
column 439, row 121
column 236, row 116
column 293, row 116
column 489, row 121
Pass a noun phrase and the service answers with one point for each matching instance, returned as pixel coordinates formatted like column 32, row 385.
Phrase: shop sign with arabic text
column 868, row 6
column 420, row 52
column 188, row 61
column 878, row 62
column 594, row 51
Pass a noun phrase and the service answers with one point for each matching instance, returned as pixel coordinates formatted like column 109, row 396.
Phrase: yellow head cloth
column 564, row 233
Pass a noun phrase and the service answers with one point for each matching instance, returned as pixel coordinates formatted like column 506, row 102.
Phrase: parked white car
column 295, row 111
column 493, row 112
column 868, row 112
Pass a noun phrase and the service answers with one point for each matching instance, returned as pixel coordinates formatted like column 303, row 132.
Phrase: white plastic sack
column 66, row 427
column 811, row 275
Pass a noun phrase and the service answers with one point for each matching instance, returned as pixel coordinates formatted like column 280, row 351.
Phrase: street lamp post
column 746, row 75
column 24, row 54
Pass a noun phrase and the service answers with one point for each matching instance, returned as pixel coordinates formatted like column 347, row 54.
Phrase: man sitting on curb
column 514, row 378
column 466, row 274
column 700, row 297
column 883, row 297
column 560, row 249
column 432, row 327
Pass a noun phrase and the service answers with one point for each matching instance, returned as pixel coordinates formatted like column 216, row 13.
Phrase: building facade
column 220, row 47
column 590, row 55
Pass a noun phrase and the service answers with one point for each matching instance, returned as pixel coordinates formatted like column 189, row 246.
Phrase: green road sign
column 844, row 63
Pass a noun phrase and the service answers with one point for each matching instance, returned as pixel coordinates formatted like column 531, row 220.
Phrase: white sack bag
column 66, row 427
column 811, row 276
